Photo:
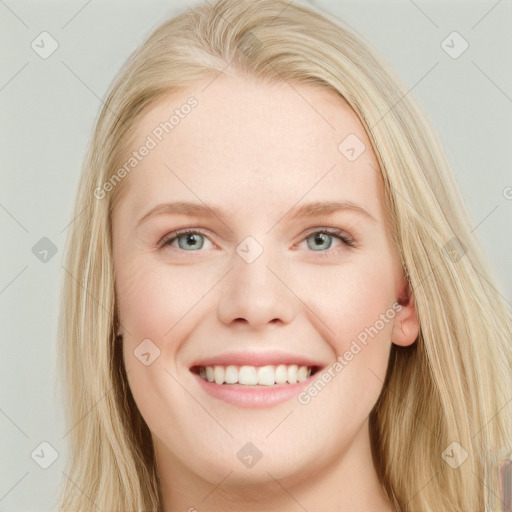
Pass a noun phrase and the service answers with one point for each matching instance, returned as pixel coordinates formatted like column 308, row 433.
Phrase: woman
column 273, row 300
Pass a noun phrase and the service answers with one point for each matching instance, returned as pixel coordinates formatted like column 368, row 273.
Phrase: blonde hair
column 447, row 387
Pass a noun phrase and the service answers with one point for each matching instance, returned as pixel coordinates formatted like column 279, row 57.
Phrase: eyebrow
column 316, row 208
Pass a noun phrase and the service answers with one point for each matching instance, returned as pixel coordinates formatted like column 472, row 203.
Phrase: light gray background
column 48, row 107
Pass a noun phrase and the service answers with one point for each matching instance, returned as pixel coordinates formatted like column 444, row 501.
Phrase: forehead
column 253, row 145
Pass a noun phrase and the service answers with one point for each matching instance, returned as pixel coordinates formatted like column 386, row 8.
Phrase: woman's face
column 291, row 275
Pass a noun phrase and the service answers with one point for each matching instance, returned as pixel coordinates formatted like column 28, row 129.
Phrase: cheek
column 153, row 298
column 162, row 304
column 349, row 298
column 153, row 305
column 354, row 312
column 138, row 294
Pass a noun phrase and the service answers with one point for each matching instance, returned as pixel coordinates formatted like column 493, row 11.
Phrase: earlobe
column 406, row 325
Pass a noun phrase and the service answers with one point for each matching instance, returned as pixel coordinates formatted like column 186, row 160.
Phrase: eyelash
column 334, row 232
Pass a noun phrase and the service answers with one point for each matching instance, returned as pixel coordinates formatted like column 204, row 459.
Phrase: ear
column 406, row 326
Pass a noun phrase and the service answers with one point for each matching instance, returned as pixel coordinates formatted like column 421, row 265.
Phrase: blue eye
column 322, row 240
column 190, row 240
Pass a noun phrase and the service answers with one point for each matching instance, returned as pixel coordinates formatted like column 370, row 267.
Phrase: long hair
column 443, row 397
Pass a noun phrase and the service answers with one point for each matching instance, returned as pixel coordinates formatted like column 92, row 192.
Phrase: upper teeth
column 253, row 375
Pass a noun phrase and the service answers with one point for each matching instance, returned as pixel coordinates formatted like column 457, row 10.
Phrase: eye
column 187, row 239
column 321, row 240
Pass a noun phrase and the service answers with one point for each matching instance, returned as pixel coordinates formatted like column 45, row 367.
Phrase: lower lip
column 253, row 396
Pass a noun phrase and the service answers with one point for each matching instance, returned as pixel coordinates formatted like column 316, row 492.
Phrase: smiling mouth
column 245, row 375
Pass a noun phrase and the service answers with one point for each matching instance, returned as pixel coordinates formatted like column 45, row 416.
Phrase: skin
column 258, row 151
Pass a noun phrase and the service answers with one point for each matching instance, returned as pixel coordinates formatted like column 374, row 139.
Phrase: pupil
column 321, row 239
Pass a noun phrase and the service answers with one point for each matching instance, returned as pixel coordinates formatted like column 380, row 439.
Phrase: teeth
column 292, row 374
column 247, row 375
column 280, row 374
column 302, row 373
column 252, row 375
column 231, row 376
column 218, row 374
column 266, row 376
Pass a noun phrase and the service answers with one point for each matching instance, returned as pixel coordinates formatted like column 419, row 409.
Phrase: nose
column 257, row 293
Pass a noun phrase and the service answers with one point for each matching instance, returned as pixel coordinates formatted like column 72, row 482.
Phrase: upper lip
column 257, row 358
